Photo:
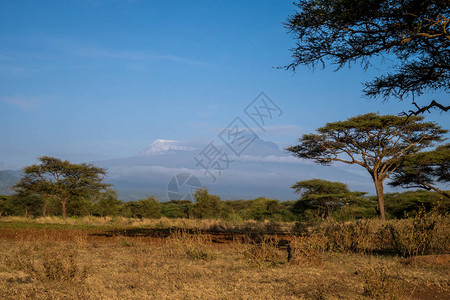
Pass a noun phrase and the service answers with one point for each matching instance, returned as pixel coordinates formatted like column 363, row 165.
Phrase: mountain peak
column 161, row 146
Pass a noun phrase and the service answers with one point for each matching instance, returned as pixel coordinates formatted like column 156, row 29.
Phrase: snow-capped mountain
column 161, row 146
column 263, row 169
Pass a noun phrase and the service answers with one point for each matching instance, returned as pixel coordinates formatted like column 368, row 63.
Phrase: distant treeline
column 398, row 205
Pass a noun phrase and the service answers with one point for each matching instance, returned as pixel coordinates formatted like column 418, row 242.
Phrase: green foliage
column 375, row 142
column 401, row 205
column 322, row 198
column 80, row 207
column 5, row 205
column 320, row 195
column 144, row 208
column 424, row 170
column 176, row 208
column 345, row 32
column 107, row 204
column 149, row 208
column 258, row 209
column 206, row 206
column 264, row 209
column 61, row 180
column 356, row 207
column 26, row 205
column 130, row 209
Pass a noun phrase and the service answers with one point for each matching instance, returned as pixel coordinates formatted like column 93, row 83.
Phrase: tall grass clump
column 305, row 250
column 347, row 237
column 195, row 246
column 45, row 263
column 265, row 252
column 424, row 233
column 380, row 282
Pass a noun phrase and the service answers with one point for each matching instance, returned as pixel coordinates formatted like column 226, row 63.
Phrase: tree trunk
column 44, row 208
column 380, row 195
column 63, row 203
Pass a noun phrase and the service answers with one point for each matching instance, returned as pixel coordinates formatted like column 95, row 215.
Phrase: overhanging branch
column 421, row 110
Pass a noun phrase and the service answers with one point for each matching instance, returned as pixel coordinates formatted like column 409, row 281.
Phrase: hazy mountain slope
column 8, row 178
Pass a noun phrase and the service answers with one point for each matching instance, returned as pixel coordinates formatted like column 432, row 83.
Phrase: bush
column 308, row 249
column 195, row 246
column 265, row 252
column 149, row 208
column 380, row 283
column 348, row 237
column 207, row 206
column 62, row 266
column 425, row 233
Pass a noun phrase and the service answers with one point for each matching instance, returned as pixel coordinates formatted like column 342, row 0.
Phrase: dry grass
column 72, row 263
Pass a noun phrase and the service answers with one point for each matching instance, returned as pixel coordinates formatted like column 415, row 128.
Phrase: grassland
column 118, row 258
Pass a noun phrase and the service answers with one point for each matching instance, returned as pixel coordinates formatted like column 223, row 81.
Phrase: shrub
column 62, row 266
column 380, row 283
column 265, row 253
column 207, row 206
column 194, row 246
column 425, row 233
column 308, row 249
column 348, row 237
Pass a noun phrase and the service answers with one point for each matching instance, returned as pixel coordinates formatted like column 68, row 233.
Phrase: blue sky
column 93, row 80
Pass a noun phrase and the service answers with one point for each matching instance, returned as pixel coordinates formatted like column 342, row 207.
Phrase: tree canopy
column 424, row 170
column 376, row 142
column 321, row 195
column 61, row 180
column 206, row 206
column 414, row 33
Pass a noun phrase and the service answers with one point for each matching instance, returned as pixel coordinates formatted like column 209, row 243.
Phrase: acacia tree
column 320, row 194
column 424, row 170
column 377, row 143
column 415, row 33
column 61, row 180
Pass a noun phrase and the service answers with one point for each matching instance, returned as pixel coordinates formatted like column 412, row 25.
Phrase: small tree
column 377, row 143
column 107, row 203
column 149, row 208
column 61, row 180
column 176, row 208
column 130, row 209
column 206, row 206
column 424, row 170
column 322, row 195
column 4, row 205
column 263, row 208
